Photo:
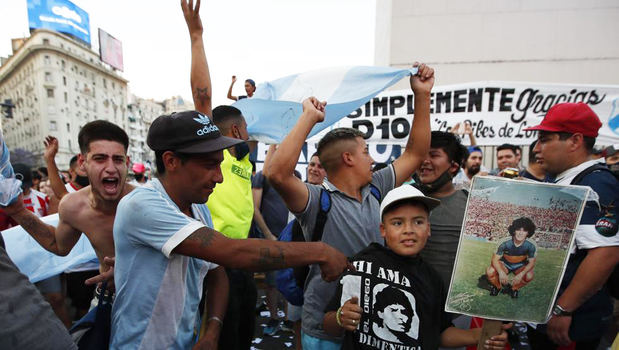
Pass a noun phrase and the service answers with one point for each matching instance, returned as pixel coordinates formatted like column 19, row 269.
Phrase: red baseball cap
column 571, row 118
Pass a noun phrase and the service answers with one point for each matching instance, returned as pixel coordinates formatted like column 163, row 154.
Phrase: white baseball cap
column 407, row 192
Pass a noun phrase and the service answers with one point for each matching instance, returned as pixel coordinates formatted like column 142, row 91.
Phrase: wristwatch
column 557, row 310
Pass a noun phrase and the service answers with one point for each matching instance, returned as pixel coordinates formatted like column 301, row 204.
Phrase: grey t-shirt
column 350, row 227
column 26, row 319
column 445, row 226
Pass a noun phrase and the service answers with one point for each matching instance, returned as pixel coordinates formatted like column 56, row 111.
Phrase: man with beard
column 472, row 167
column 91, row 210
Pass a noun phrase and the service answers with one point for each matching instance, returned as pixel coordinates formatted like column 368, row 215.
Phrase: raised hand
column 233, row 79
column 51, row 147
column 423, row 81
column 314, row 109
column 192, row 16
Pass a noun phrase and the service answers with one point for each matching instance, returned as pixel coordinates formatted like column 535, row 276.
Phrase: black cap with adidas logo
column 187, row 132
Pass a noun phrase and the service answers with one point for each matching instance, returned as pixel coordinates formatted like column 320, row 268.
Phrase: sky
column 263, row 40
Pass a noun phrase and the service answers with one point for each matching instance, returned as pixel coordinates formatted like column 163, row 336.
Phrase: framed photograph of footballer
column 514, row 246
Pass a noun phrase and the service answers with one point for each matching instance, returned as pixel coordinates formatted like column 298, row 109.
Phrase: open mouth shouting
column 111, row 185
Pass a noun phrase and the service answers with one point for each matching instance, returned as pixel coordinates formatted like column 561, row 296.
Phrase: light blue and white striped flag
column 37, row 263
column 276, row 106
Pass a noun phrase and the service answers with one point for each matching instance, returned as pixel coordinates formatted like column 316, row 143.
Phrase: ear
column 171, row 162
column 235, row 131
column 347, row 158
column 382, row 230
column 81, row 159
column 454, row 168
column 576, row 141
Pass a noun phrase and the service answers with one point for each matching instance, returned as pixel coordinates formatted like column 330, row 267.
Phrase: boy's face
column 406, row 229
column 520, row 235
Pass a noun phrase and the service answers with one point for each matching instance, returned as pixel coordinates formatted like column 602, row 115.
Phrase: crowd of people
column 176, row 251
column 490, row 219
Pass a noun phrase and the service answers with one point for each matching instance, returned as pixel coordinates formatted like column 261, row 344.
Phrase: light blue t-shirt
column 157, row 293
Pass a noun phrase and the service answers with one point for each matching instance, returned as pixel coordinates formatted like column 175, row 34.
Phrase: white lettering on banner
column 370, row 340
column 498, row 112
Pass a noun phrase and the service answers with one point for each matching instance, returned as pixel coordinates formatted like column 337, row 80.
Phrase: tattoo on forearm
column 204, row 237
column 270, row 261
column 202, row 94
column 39, row 231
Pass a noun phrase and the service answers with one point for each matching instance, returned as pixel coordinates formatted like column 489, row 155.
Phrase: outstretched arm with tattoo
column 261, row 254
column 58, row 240
column 200, row 76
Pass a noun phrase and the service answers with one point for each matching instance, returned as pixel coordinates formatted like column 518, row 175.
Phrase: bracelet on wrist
column 217, row 319
column 338, row 316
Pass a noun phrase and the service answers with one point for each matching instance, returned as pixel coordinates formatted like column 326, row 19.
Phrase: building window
column 64, row 81
column 66, row 97
column 45, row 41
column 48, row 77
column 69, row 129
column 69, row 141
column 47, row 60
column 62, row 64
column 52, row 125
column 50, row 92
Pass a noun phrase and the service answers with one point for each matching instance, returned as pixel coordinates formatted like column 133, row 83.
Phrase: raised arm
column 280, row 169
column 418, row 142
column 201, row 89
column 58, row 240
column 261, row 254
column 51, row 148
column 234, row 98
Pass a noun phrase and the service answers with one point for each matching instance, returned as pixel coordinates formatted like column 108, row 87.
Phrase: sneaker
column 514, row 294
column 272, row 327
column 287, row 326
column 494, row 291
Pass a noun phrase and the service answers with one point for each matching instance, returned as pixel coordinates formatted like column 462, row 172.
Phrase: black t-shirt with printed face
column 403, row 301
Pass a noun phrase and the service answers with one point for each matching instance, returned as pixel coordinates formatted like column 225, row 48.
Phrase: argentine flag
column 276, row 106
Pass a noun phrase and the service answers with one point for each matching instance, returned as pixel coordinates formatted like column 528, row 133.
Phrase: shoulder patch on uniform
column 607, row 224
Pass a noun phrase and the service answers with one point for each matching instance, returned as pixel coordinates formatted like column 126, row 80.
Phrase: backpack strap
column 375, row 192
column 321, row 218
column 589, row 170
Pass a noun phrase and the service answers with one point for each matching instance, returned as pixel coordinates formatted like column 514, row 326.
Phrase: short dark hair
column 43, row 170
column 451, row 145
column 224, row 114
column 505, row 146
column 101, row 130
column 73, row 162
column 390, row 296
column 589, row 141
column 531, row 153
column 523, row 223
column 251, row 82
column 182, row 156
column 333, row 137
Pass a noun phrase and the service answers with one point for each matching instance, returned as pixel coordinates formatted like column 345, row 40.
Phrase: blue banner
column 61, row 16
